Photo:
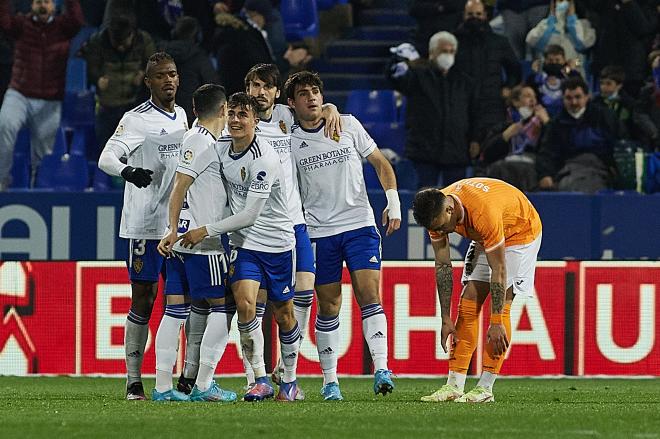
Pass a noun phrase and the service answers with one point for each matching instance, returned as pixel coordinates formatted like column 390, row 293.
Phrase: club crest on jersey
column 243, row 173
column 283, row 126
column 137, row 265
column 119, row 131
column 231, row 270
column 335, row 136
column 188, row 156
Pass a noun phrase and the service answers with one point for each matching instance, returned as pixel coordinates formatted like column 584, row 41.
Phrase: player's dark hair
column 302, row 79
column 245, row 101
column 427, row 205
column 208, row 99
column 156, row 59
column 554, row 49
column 268, row 73
column 574, row 82
column 615, row 73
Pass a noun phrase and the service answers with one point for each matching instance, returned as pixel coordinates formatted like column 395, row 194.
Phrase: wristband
column 496, row 319
column 393, row 204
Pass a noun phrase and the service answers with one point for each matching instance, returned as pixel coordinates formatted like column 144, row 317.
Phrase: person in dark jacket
column 485, row 57
column 624, row 27
column 576, row 153
column 509, row 151
column 434, row 16
column 192, row 62
column 116, row 57
column 441, row 117
column 36, row 88
column 520, row 16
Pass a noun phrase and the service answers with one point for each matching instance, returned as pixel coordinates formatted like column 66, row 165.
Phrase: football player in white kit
column 149, row 138
column 198, row 198
column 263, row 244
column 341, row 225
column 275, row 121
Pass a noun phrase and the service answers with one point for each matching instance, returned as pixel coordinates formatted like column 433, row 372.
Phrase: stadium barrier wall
column 39, row 226
column 586, row 318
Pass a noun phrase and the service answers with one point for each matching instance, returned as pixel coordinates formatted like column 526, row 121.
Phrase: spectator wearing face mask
column 563, row 28
column 489, row 60
column 576, row 153
column 548, row 77
column 509, row 151
column 441, row 119
column 613, row 97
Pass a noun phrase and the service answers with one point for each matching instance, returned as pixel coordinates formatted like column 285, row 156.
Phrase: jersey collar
column 171, row 116
column 314, row 130
column 238, row 156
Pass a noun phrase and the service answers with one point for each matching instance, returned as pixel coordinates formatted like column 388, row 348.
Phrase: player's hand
column 193, row 237
column 138, row 176
column 333, row 125
column 448, row 329
column 165, row 245
column 497, row 339
column 393, row 224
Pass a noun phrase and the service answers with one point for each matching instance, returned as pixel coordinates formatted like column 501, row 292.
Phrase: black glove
column 138, row 176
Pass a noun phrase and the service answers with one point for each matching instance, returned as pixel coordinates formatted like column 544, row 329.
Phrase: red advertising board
column 68, row 318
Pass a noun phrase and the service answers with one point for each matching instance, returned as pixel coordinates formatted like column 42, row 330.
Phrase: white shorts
column 520, row 266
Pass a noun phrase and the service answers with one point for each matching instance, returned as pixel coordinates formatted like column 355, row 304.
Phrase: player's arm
column 496, row 332
column 392, row 212
column 182, row 183
column 254, row 205
column 126, row 139
column 444, row 281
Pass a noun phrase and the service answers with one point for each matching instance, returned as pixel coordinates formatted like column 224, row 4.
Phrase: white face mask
column 525, row 112
column 578, row 114
column 445, row 61
column 561, row 7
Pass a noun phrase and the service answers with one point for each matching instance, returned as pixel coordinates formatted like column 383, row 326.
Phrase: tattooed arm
column 445, row 284
column 496, row 333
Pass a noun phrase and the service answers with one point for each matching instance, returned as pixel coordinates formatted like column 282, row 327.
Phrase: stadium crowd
column 548, row 95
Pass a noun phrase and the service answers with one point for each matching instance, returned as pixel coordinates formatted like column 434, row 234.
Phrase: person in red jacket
column 34, row 98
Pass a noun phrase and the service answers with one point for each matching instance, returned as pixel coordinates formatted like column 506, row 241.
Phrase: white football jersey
column 332, row 187
column 277, row 132
column 151, row 139
column 206, row 198
column 257, row 171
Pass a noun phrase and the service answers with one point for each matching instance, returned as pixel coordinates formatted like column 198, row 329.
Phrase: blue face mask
column 561, row 7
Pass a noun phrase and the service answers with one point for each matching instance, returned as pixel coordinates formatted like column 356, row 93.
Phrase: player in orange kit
column 505, row 230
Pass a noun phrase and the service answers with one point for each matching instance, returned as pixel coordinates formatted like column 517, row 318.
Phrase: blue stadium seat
column 373, row 105
column 324, row 5
column 78, row 108
column 390, row 135
column 300, row 18
column 370, row 176
column 22, row 145
column 76, row 75
column 81, row 37
column 406, row 176
column 63, row 172
column 20, row 172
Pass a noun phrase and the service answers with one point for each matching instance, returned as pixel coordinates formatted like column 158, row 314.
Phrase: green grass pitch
column 62, row 407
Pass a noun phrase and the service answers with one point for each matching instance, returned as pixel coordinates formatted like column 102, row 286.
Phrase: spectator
column 193, row 64
column 509, row 150
column 486, row 57
column 116, row 57
column 548, row 77
column 441, row 117
column 646, row 114
column 520, row 16
column 34, row 97
column 576, row 153
column 239, row 44
column 298, row 57
column 434, row 16
column 613, row 96
column 563, row 28
column 267, row 19
column 624, row 28
column 7, row 49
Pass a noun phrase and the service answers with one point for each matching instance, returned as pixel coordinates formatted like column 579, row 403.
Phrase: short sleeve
column 195, row 155
column 263, row 173
column 129, row 134
column 490, row 227
column 364, row 144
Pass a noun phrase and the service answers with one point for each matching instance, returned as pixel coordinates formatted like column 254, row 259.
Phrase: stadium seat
column 406, row 176
column 373, row 105
column 22, row 145
column 300, row 18
column 62, row 172
column 81, row 37
column 370, row 176
column 78, row 108
column 76, row 75
column 324, row 5
column 390, row 135
column 20, row 170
